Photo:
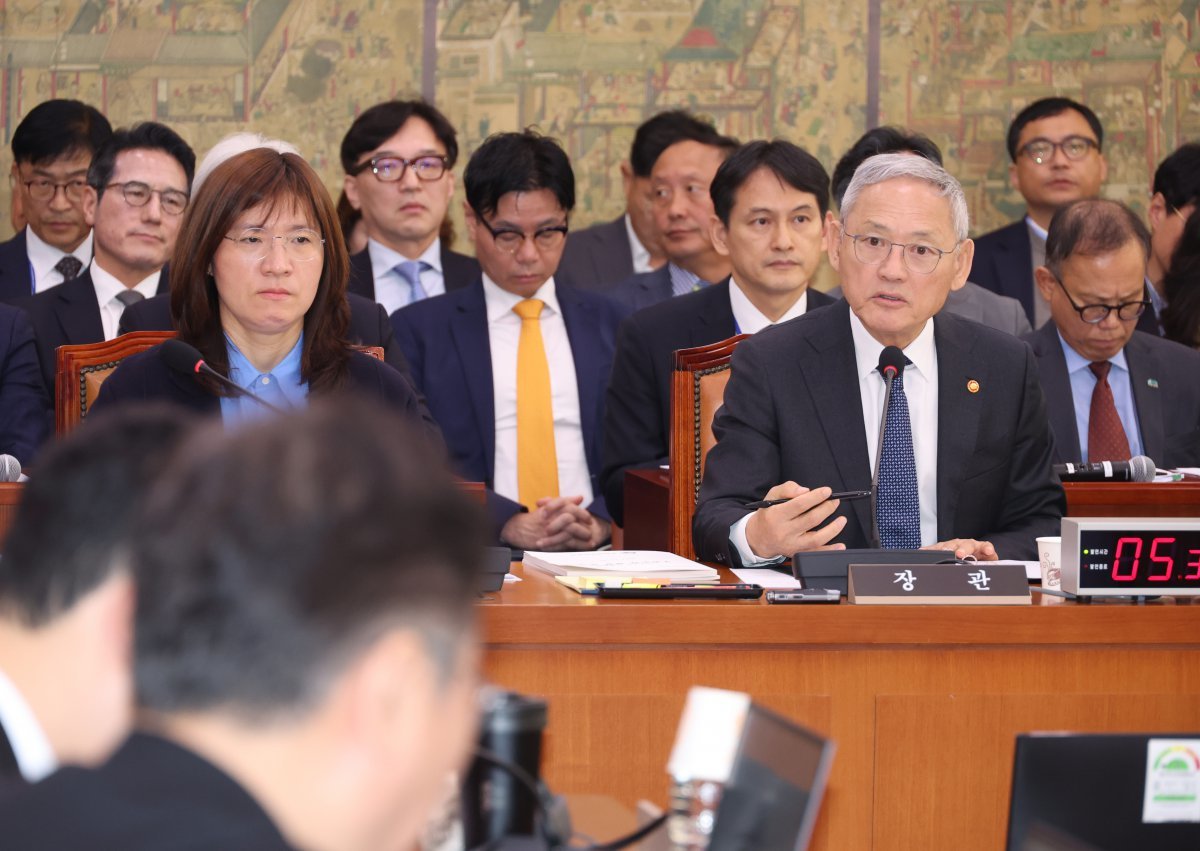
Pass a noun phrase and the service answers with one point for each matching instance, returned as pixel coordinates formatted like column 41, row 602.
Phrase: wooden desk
column 10, row 498
column 924, row 702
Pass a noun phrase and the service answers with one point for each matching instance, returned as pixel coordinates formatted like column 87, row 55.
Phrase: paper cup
column 1050, row 557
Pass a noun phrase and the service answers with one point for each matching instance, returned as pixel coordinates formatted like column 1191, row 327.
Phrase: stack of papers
column 640, row 564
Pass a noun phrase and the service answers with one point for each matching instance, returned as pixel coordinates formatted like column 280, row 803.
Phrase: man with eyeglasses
column 514, row 368
column 398, row 157
column 135, row 199
column 1112, row 391
column 52, row 149
column 965, row 462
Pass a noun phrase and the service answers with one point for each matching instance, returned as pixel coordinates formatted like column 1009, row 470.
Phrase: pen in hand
column 767, row 503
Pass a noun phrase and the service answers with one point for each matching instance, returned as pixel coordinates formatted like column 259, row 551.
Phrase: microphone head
column 1141, row 469
column 10, row 468
column 182, row 357
column 892, row 360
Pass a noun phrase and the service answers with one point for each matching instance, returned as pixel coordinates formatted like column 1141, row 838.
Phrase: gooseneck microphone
column 186, row 359
column 1139, row 468
column 891, row 362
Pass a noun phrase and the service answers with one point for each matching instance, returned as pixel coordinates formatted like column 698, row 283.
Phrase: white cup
column 1050, row 556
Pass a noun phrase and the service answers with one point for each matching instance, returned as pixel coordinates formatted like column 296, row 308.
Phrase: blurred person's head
column 354, row 232
column 1176, row 191
column 66, row 591
column 1181, row 286
column 314, row 635
column 879, row 140
column 52, row 148
column 138, row 187
column 1094, row 275
column 1055, row 148
column 232, row 145
column 520, row 192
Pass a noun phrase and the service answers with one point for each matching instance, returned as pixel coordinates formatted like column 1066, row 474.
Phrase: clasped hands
column 795, row 526
column 557, row 523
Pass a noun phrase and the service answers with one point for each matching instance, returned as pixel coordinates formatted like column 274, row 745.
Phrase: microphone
column 10, row 468
column 891, row 363
column 1139, row 468
column 186, row 359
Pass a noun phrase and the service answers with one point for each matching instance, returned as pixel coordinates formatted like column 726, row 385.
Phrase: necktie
column 410, row 270
column 537, row 460
column 897, row 503
column 129, row 297
column 1107, row 440
column 69, row 267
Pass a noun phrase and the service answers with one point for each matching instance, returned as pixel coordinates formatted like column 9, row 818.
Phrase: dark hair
column 59, row 128
column 77, row 513
column 1045, row 108
column 790, row 163
column 149, row 135
column 1178, row 176
column 880, row 140
column 242, row 182
column 320, row 530
column 1181, row 285
column 1092, row 226
column 518, row 162
column 384, row 120
column 662, row 131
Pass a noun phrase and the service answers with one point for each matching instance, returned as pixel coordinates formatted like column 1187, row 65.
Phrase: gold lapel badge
column 972, row 386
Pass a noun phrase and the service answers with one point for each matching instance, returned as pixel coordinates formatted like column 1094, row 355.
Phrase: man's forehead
column 67, row 164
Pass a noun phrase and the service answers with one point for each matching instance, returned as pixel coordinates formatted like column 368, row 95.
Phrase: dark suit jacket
column 25, row 410
column 11, row 780
column 152, row 794
column 637, row 413
column 644, row 289
column 68, row 315
column 458, row 271
column 1004, row 264
column 1168, row 410
column 596, row 259
column 793, row 412
column 15, row 279
column 445, row 339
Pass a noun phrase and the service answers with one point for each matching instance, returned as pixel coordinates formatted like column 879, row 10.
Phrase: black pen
column 767, row 503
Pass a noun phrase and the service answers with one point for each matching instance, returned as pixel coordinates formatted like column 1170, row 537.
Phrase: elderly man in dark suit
column 965, row 464
column 1112, row 391
column 770, row 200
column 513, row 366
column 24, row 405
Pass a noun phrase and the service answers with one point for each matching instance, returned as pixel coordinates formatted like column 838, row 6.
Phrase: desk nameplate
column 980, row 584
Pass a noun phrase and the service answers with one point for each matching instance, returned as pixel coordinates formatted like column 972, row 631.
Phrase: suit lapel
column 587, row 350
column 714, row 321
column 164, row 282
column 1147, row 397
column 469, row 329
column 362, row 277
column 1014, row 265
column 78, row 311
column 1056, row 386
column 958, row 412
column 16, row 278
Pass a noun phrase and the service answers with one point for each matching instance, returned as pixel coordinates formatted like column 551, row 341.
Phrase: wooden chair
column 697, row 391
column 81, row 369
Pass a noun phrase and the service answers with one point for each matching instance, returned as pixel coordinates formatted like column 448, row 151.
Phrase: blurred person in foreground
column 305, row 656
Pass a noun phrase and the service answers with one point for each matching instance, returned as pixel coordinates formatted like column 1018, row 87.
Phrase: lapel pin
column 1152, row 382
column 972, row 386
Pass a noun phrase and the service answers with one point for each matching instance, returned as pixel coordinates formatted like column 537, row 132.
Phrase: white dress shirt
column 504, row 333
column 748, row 319
column 107, row 290
column 35, row 756
column 43, row 257
column 921, row 391
column 641, row 256
column 392, row 290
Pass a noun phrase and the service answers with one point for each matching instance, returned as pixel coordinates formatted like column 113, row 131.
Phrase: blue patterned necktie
column 897, row 503
column 410, row 270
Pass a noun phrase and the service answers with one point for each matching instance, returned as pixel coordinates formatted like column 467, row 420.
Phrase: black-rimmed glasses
column 1094, row 314
column 507, row 239
column 1042, row 151
column 390, row 169
column 137, row 194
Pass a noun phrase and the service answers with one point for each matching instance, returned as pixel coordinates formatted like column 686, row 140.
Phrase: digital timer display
column 1116, row 559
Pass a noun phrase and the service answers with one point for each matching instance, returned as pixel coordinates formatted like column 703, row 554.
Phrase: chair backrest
column 81, row 369
column 697, row 391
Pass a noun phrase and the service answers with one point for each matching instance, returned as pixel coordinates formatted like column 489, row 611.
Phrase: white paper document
column 770, row 579
column 649, row 564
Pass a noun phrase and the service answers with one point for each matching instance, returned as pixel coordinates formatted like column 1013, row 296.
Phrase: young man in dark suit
column 1112, row 391
column 968, row 468
column 514, row 367
column 138, row 188
column 399, row 158
column 305, row 655
column 25, row 408
column 52, row 149
column 770, row 200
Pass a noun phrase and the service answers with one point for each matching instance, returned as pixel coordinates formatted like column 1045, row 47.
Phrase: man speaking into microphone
column 964, row 460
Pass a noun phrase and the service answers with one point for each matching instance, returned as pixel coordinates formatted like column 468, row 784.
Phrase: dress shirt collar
column 919, row 352
column 1158, row 301
column 641, row 256
column 384, row 259
column 1036, row 229
column 1076, row 361
column 35, row 756
column 108, row 287
column 683, row 281
column 286, row 374
column 500, row 302
column 749, row 319
column 43, row 257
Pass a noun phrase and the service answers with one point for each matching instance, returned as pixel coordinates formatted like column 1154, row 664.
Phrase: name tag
column 979, row 584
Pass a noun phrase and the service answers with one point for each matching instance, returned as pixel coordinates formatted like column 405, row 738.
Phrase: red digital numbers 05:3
column 1161, row 568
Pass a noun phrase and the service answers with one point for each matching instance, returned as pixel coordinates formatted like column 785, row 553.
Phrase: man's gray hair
column 231, row 146
column 883, row 167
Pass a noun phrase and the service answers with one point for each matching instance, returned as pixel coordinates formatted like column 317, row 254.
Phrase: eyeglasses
column 1073, row 148
column 546, row 239
column 1094, row 314
column 44, row 189
column 137, row 194
column 301, row 245
column 918, row 257
column 390, row 169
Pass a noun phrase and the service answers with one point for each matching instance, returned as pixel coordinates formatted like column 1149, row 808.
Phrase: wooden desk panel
column 879, row 680
column 10, row 497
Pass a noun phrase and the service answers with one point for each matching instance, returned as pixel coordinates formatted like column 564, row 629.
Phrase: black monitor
column 1075, row 792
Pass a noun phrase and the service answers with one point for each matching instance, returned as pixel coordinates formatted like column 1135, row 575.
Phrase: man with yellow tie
column 514, row 368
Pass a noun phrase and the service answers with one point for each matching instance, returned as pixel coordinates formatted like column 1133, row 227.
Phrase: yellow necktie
column 537, row 461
